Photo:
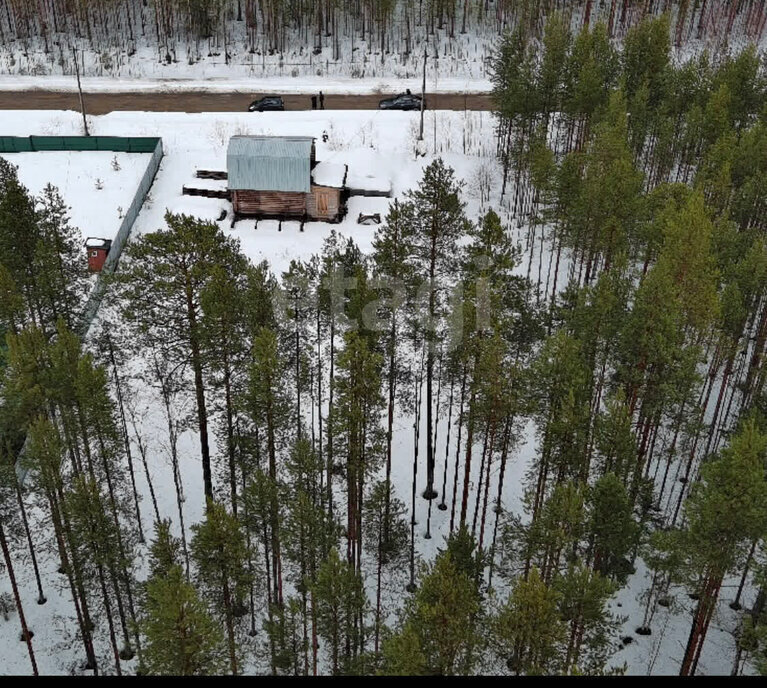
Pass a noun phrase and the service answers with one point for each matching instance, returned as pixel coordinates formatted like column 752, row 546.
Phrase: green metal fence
column 118, row 144
column 121, row 238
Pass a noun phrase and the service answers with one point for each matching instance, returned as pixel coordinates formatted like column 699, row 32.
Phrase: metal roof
column 270, row 163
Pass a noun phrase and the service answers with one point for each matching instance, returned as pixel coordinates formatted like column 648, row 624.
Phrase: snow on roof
column 202, row 208
column 367, row 205
column 210, row 184
column 368, row 182
column 329, row 174
column 269, row 163
column 95, row 242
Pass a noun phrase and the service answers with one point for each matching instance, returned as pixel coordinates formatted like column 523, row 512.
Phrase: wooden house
column 98, row 250
column 279, row 176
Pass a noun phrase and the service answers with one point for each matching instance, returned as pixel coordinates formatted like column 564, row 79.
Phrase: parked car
column 404, row 101
column 267, row 103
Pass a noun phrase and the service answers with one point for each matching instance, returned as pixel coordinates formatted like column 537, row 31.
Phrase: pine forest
column 450, row 454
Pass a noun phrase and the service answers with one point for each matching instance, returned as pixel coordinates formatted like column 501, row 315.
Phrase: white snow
column 96, row 212
column 230, row 84
column 367, row 182
column 370, row 143
column 329, row 174
column 199, row 206
column 456, row 63
column 367, row 205
column 207, row 184
column 94, row 242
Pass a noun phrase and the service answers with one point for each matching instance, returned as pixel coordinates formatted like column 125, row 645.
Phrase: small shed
column 272, row 176
column 98, row 250
column 326, row 198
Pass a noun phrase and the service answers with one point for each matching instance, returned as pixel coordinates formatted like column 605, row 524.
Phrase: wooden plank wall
column 269, row 203
column 332, row 204
column 323, row 203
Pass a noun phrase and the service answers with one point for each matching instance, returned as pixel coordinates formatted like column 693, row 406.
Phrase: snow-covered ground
column 368, row 142
column 461, row 59
column 98, row 194
column 234, row 84
column 462, row 56
column 380, row 143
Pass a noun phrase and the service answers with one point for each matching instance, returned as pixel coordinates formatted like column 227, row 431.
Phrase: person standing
column 314, row 102
column 322, row 101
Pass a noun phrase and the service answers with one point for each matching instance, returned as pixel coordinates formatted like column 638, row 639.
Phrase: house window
column 94, row 254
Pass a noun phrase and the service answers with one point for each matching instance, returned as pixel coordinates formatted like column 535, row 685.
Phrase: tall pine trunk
column 25, row 633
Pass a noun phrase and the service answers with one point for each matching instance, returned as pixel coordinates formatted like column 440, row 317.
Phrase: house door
column 322, row 203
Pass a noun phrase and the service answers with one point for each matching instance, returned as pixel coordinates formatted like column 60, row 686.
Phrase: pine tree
column 219, row 549
column 609, row 195
column 612, row 527
column 385, row 525
column 436, row 216
column 223, row 328
column 259, row 497
column 439, row 625
column 592, row 70
column 284, row 630
column 181, row 637
column 391, row 247
column 336, row 274
column 551, row 74
column 19, row 236
column 91, row 536
column 268, row 409
column 99, row 422
column 614, row 440
column 161, row 286
column 11, row 303
column 583, row 605
column 60, row 270
column 164, row 551
column 307, row 534
column 515, row 95
column 561, row 408
column 44, row 455
column 528, row 631
column 297, row 283
column 645, row 60
column 7, row 488
column 340, row 599
column 356, row 427
column 725, row 512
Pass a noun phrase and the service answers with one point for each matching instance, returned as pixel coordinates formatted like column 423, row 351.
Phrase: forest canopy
column 619, row 384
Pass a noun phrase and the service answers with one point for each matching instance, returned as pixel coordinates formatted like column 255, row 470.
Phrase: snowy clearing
column 78, row 175
column 376, row 143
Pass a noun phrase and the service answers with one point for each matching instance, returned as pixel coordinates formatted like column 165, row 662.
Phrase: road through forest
column 200, row 101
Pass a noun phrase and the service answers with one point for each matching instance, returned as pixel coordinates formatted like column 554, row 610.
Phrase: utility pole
column 423, row 93
column 80, row 91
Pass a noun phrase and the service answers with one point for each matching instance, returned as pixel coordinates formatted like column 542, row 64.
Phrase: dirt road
column 102, row 103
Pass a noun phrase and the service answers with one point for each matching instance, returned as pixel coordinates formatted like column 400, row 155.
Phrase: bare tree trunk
column 25, row 633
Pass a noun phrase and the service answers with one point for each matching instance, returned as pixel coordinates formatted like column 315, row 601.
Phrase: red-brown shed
column 98, row 250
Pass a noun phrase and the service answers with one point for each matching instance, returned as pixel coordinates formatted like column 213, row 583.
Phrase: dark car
column 267, row 103
column 404, row 101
